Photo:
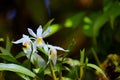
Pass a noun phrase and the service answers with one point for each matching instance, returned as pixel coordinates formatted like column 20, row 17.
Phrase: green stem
column 96, row 57
column 60, row 72
column 81, row 63
column 52, row 71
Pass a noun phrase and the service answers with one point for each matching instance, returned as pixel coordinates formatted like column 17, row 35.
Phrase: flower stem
column 52, row 71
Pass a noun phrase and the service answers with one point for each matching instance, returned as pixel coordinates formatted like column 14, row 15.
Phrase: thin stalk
column 60, row 72
column 96, row 57
column 81, row 63
column 52, row 71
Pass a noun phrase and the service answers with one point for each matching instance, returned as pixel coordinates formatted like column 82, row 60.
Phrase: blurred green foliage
column 91, row 24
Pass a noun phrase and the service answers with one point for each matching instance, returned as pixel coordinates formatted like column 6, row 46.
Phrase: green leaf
column 23, row 76
column 9, row 58
column 48, row 24
column 74, row 20
column 4, row 51
column 70, row 47
column 114, row 12
column 19, row 55
column 68, row 23
column 71, row 62
column 8, row 44
column 55, row 28
column 97, row 68
column 16, row 68
column 82, row 52
column 98, row 24
column 109, row 15
column 27, row 64
column 88, row 29
column 87, row 20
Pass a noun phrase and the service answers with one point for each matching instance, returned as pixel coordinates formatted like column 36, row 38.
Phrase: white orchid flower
column 31, row 51
column 27, row 43
column 52, row 52
column 39, row 35
column 25, row 40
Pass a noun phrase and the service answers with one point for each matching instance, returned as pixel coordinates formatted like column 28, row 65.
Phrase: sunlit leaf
column 86, row 27
column 55, row 28
column 97, row 68
column 87, row 20
column 68, row 23
column 71, row 62
column 16, row 68
column 74, row 20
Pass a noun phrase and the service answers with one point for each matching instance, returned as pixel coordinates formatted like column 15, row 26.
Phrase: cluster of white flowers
column 36, row 41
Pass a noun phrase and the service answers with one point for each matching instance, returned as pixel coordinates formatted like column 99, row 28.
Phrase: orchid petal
column 26, row 38
column 39, row 31
column 19, row 41
column 39, row 60
column 27, row 52
column 58, row 48
column 45, row 48
column 46, row 32
column 34, row 47
column 54, row 60
column 31, row 32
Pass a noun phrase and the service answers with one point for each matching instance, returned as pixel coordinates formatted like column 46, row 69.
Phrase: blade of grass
column 81, row 63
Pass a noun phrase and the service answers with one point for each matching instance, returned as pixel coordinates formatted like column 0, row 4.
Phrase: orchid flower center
column 52, row 55
column 26, row 44
column 39, row 40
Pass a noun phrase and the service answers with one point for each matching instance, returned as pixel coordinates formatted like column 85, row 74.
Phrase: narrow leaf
column 23, row 76
column 48, row 24
column 4, row 51
column 19, row 55
column 16, row 68
column 8, row 44
column 97, row 68
column 8, row 58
